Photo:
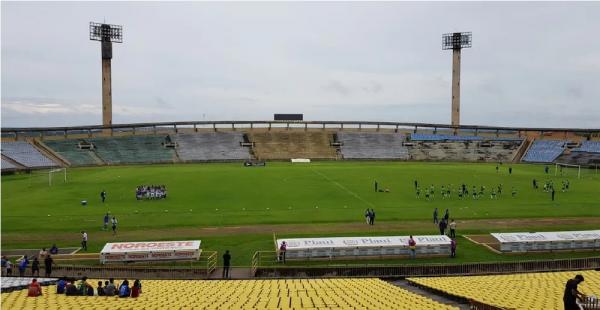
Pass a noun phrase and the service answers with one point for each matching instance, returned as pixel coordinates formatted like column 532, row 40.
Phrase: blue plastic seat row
column 588, row 146
column 545, row 151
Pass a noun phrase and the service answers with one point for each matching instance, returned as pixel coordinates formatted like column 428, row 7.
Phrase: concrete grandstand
column 38, row 148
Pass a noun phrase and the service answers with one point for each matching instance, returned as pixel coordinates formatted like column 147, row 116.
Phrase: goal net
column 57, row 175
column 567, row 170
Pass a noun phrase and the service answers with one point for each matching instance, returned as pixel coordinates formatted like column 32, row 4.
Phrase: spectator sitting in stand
column 71, row 289
column 100, row 289
column 136, row 290
column 124, row 290
column 60, row 286
column 84, row 287
column 109, row 287
column 34, row 289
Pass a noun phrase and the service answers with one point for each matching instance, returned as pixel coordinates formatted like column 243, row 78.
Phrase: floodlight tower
column 456, row 42
column 106, row 34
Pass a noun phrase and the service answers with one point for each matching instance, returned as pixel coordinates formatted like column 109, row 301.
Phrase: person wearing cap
column 572, row 294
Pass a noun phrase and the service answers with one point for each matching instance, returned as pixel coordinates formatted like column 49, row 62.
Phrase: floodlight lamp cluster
column 456, row 40
column 106, row 32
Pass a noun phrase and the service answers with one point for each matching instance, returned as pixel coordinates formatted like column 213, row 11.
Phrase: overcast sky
column 532, row 64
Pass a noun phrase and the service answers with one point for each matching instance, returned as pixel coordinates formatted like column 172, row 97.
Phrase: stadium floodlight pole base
column 557, row 165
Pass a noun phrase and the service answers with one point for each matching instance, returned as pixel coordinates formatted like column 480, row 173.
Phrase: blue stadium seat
column 545, row 151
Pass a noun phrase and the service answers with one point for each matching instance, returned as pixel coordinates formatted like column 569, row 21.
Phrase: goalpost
column 559, row 169
column 57, row 171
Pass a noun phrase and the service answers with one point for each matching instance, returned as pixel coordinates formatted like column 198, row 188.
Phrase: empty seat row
column 545, row 151
column 70, row 151
column 26, row 155
column 211, row 146
column 369, row 145
column 516, row 291
column 239, row 294
column 6, row 165
column 588, row 146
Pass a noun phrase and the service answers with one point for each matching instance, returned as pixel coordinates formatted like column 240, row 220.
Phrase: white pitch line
column 343, row 187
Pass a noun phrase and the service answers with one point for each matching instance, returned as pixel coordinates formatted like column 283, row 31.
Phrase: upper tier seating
column 518, row 291
column 369, row 145
column 545, row 151
column 132, row 149
column 238, row 294
column 580, row 158
column 469, row 150
column 26, row 155
column 211, row 146
column 438, row 137
column 6, row 165
column 68, row 149
column 292, row 144
column 588, row 146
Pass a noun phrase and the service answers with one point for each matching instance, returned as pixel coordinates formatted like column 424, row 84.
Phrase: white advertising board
column 336, row 247
column 150, row 251
column 300, row 160
column 548, row 241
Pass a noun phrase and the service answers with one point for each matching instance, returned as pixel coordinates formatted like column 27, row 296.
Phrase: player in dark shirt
column 572, row 294
column 226, row 264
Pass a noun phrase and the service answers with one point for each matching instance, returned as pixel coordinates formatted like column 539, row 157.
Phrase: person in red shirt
column 412, row 246
column 35, row 289
column 136, row 290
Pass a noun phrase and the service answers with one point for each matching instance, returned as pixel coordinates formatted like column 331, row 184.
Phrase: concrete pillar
column 106, row 93
column 456, row 87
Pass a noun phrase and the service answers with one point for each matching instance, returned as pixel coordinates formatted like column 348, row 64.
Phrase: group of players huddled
column 150, row 192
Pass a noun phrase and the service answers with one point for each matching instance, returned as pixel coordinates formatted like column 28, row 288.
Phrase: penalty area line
column 342, row 187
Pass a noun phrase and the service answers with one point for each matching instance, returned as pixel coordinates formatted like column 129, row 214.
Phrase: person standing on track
column 106, row 218
column 282, row 250
column 114, row 225
column 412, row 246
column 452, row 229
column 372, row 221
column 84, row 240
column 48, row 262
column 226, row 265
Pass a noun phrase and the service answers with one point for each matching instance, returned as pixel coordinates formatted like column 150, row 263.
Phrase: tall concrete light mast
column 456, row 42
column 106, row 34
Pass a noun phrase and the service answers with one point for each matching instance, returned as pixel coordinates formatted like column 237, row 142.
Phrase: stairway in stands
column 286, row 145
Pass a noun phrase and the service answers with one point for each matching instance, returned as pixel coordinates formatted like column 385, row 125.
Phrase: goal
column 55, row 175
column 566, row 170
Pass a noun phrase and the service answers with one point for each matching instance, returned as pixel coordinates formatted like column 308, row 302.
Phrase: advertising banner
column 150, row 251
column 336, row 247
column 547, row 241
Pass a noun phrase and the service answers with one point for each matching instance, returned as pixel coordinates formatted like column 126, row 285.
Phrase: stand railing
column 211, row 262
column 266, row 269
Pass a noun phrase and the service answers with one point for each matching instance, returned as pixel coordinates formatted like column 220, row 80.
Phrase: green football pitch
column 228, row 205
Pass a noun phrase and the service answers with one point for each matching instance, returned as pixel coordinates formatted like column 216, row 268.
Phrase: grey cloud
column 337, row 87
column 330, row 60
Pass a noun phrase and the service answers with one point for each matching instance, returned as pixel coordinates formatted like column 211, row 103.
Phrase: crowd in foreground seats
column 69, row 287
column 150, row 192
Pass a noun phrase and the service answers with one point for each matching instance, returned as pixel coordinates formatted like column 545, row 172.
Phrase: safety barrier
column 264, row 267
column 201, row 269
